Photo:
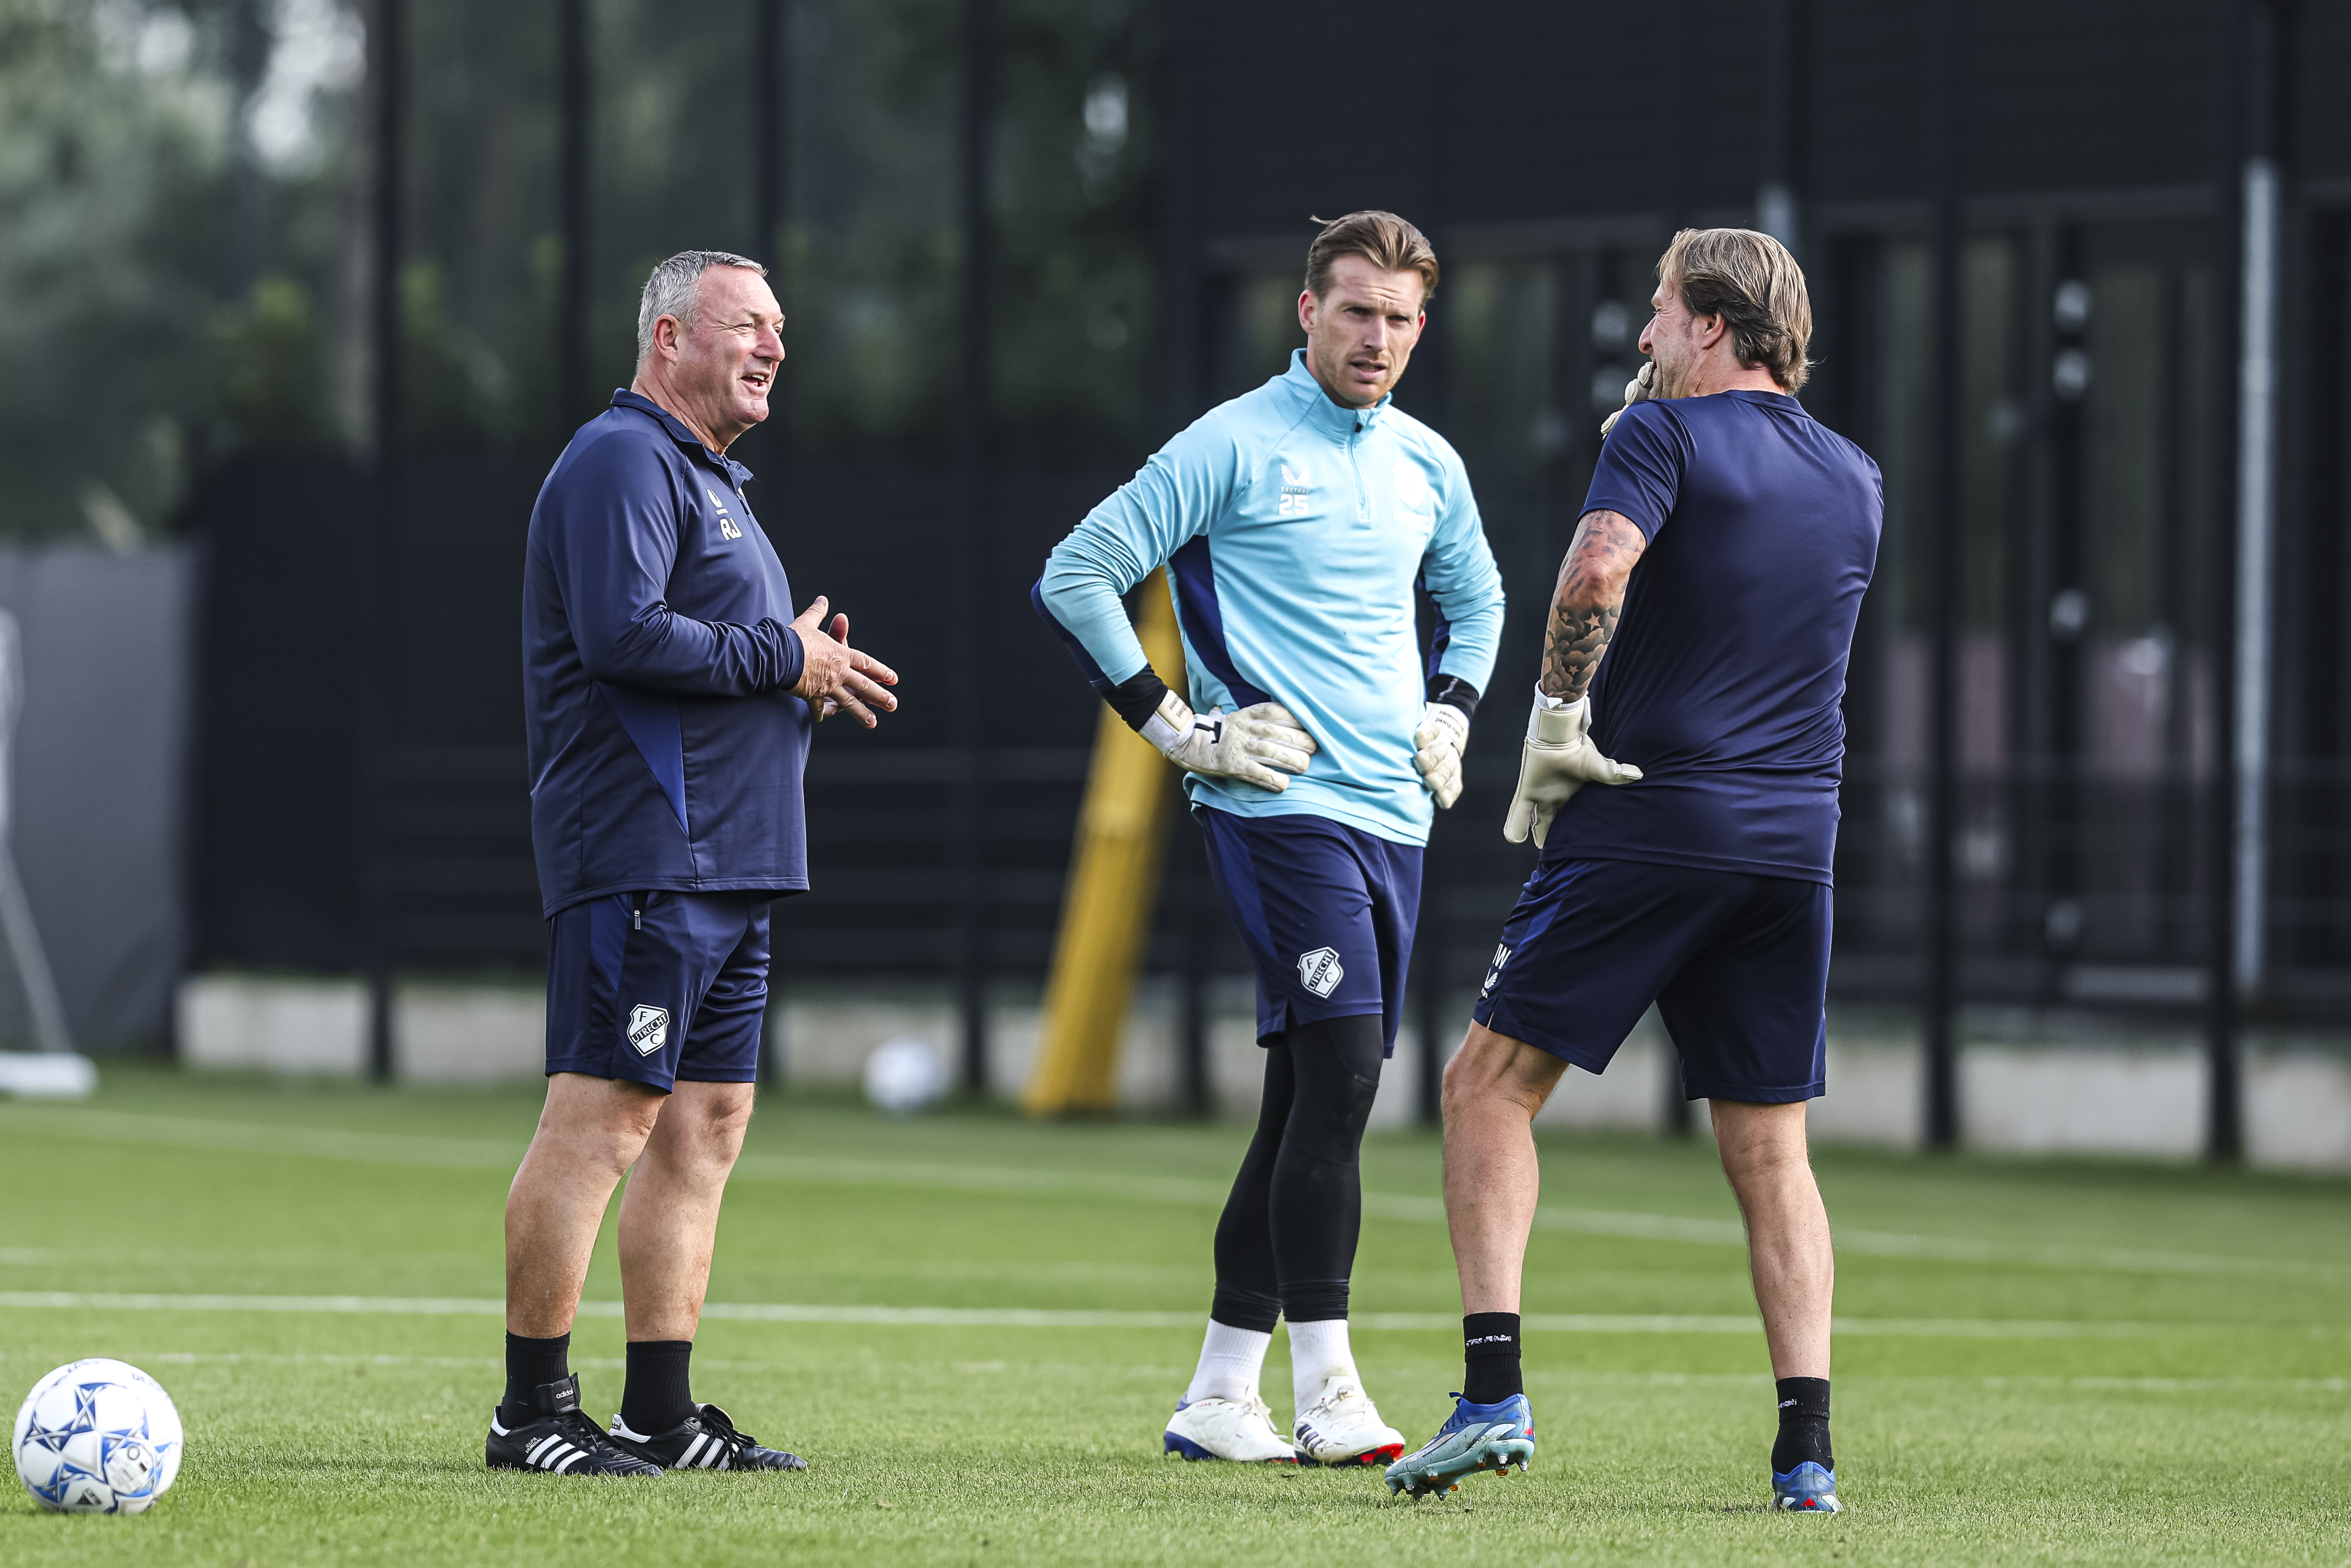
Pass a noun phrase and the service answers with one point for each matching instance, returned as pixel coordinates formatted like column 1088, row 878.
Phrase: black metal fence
column 2039, row 302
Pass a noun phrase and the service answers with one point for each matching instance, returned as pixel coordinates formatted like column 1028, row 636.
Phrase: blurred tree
column 478, row 295
column 130, row 355
column 182, row 213
column 1076, row 248
column 273, row 382
column 872, row 245
column 100, row 133
column 459, row 389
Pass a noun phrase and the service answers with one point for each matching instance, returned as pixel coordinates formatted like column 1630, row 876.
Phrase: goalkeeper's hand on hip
column 1437, row 745
column 1259, row 745
column 1557, row 760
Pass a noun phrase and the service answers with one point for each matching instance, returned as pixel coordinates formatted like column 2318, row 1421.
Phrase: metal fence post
column 967, row 588
column 572, row 397
column 1941, row 1085
column 2253, row 184
column 379, row 555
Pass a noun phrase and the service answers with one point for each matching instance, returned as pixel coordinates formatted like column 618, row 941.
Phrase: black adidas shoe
column 706, row 1440
column 561, row 1441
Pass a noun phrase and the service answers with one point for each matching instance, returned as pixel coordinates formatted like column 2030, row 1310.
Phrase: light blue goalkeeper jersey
column 1295, row 531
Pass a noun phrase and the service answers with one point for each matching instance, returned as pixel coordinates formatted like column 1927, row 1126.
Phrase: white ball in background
column 905, row 1075
column 97, row 1437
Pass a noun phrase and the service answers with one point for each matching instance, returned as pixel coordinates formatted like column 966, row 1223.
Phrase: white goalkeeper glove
column 1437, row 744
column 1635, row 391
column 1248, row 746
column 1557, row 760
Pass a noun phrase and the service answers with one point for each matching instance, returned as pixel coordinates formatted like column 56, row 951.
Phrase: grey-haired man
column 669, row 692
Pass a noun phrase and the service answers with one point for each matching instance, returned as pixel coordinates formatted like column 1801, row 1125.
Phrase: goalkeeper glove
column 1557, row 760
column 1248, row 746
column 1436, row 751
column 1635, row 391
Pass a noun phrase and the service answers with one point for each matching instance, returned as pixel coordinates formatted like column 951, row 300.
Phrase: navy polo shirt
column 665, row 749
column 1725, row 680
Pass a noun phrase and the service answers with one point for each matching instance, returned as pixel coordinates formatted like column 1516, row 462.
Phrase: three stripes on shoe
column 554, row 1452
column 707, row 1452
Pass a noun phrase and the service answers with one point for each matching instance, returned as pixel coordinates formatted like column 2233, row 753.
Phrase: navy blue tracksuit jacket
column 666, row 750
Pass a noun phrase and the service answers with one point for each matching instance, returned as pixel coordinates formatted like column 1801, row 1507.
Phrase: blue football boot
column 1474, row 1437
column 1807, row 1488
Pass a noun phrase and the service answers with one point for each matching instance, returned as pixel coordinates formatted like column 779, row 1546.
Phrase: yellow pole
column 1113, row 885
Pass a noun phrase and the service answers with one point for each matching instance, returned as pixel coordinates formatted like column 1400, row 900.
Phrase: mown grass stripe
column 481, row 1154
column 1580, row 1377
column 1045, row 1318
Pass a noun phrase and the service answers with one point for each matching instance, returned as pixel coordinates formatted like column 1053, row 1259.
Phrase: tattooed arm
column 1590, row 597
column 1559, row 758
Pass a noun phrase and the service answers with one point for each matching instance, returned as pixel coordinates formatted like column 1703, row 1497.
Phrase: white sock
column 1317, row 1352
column 1230, row 1362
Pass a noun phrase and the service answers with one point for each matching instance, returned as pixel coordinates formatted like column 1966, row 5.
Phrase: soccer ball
column 98, row 1436
column 903, row 1075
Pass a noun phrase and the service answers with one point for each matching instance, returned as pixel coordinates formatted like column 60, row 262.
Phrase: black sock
column 1490, row 1347
column 656, row 1397
column 530, row 1362
column 1804, row 1425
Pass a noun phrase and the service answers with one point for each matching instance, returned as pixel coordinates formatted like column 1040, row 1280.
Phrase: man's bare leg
column 669, row 1216
column 1764, row 1154
column 669, row 1222
column 1766, row 1157
column 590, row 1133
column 1493, row 1087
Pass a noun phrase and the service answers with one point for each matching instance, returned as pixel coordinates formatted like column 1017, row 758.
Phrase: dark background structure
column 2080, row 273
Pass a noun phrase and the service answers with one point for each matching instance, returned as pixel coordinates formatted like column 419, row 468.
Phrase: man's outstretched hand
column 834, row 676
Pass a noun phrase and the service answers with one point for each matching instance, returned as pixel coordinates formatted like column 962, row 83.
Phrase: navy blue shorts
column 1327, row 911
column 1738, row 966
column 656, row 987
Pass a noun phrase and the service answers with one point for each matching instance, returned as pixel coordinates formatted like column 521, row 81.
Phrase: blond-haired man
column 1295, row 521
column 1734, row 537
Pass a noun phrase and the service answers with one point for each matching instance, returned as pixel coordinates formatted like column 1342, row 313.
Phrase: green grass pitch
column 2050, row 1363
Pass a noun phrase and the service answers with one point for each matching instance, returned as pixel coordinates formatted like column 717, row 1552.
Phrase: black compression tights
column 1287, row 1240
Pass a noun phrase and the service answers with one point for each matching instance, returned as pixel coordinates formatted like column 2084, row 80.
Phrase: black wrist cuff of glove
column 1455, row 692
column 1136, row 699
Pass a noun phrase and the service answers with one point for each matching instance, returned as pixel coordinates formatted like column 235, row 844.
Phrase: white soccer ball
column 903, row 1075
column 98, row 1436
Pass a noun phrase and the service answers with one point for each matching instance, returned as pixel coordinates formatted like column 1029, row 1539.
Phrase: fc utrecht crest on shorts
column 657, row 986
column 1320, row 971
column 1326, row 910
column 648, row 1029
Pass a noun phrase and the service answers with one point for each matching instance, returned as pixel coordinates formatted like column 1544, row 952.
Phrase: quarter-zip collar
column 679, row 433
column 1331, row 418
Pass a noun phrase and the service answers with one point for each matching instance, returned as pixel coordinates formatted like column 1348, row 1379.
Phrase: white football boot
column 1214, row 1429
column 1343, row 1427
